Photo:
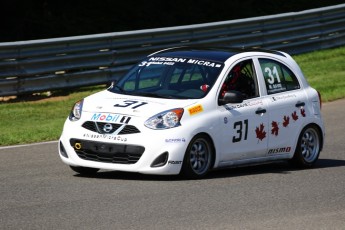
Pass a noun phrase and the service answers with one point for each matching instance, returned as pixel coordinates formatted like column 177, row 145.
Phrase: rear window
column 278, row 77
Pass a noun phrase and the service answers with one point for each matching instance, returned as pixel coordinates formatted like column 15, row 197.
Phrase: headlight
column 165, row 120
column 76, row 111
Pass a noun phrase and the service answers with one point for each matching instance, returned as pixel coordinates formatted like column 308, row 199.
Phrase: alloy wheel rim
column 310, row 145
column 199, row 156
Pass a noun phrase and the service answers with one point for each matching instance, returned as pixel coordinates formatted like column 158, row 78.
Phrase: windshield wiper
column 119, row 88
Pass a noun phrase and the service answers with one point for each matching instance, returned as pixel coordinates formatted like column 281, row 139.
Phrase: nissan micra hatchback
column 191, row 110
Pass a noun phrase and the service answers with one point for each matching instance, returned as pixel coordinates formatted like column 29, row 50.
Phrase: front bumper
column 140, row 152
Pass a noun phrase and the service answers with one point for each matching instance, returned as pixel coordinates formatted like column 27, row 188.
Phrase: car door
column 244, row 130
column 286, row 101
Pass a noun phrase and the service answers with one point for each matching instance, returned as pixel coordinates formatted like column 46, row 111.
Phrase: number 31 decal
column 127, row 103
column 238, row 126
column 272, row 72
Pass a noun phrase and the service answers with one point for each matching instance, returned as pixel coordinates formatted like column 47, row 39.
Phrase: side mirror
column 111, row 84
column 231, row 97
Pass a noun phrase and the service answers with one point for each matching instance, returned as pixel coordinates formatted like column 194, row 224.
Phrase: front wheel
column 308, row 147
column 84, row 170
column 198, row 157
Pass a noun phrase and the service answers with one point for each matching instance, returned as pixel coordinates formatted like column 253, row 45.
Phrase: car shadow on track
column 117, row 175
column 275, row 168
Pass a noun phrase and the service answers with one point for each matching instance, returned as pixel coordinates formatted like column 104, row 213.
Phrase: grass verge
column 325, row 71
column 38, row 118
column 41, row 118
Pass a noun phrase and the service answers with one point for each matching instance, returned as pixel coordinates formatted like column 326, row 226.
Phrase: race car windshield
column 167, row 77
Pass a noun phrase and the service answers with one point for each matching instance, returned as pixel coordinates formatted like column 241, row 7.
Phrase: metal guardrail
column 49, row 64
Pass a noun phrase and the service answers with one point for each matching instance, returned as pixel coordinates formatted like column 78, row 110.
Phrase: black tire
column 198, row 157
column 308, row 147
column 84, row 170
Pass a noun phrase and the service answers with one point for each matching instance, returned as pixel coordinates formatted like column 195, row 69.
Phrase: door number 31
column 241, row 128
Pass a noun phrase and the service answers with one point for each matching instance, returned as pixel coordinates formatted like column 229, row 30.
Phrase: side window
column 278, row 77
column 242, row 78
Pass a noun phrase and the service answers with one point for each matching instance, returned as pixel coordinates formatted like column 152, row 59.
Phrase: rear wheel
column 198, row 157
column 308, row 147
column 84, row 170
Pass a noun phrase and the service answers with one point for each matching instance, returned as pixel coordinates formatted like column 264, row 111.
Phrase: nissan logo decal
column 107, row 128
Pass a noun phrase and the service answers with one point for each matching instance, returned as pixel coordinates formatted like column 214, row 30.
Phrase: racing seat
column 239, row 80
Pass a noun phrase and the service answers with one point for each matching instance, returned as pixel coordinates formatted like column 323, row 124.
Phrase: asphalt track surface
column 39, row 192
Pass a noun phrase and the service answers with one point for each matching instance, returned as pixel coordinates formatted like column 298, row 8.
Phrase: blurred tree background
column 38, row 19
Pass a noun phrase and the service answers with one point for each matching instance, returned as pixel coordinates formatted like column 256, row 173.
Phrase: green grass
column 37, row 120
column 325, row 71
column 42, row 120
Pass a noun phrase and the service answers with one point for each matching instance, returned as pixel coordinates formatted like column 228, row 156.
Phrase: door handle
column 260, row 111
column 299, row 104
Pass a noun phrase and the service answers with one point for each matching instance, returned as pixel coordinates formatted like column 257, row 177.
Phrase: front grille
column 98, row 127
column 106, row 152
column 129, row 129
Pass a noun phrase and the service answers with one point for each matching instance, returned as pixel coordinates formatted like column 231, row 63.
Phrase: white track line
column 26, row 145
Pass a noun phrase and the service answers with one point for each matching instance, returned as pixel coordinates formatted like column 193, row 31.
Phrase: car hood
column 138, row 106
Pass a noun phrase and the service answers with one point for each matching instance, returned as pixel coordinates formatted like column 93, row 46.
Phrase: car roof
column 220, row 54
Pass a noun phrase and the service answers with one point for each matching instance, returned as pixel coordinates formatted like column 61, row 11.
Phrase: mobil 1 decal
column 107, row 117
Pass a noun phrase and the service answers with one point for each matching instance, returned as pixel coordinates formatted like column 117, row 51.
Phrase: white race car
column 190, row 110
